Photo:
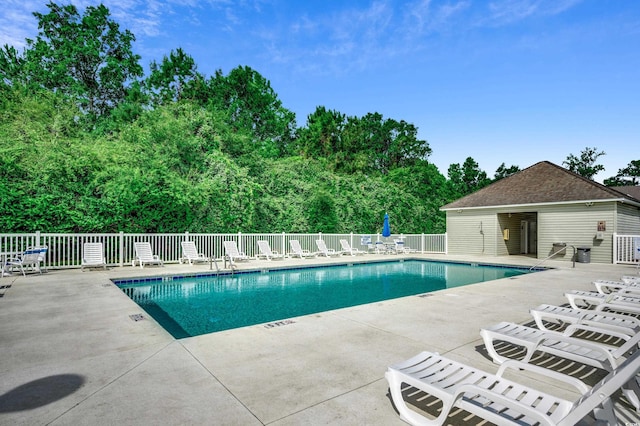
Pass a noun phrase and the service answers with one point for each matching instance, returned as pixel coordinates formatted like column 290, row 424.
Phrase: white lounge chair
column 144, row 255
column 607, row 286
column 32, row 257
column 630, row 279
column 559, row 316
column 380, row 248
column 298, row 251
column 93, row 256
column 347, row 249
column 580, row 299
column 562, row 344
column 499, row 400
column 190, row 253
column 266, row 253
column 324, row 251
column 401, row 247
column 233, row 253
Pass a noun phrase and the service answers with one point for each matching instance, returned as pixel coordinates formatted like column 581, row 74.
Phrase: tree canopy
column 85, row 57
column 585, row 165
column 90, row 144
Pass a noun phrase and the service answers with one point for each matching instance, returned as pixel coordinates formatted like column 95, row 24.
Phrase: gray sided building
column 536, row 210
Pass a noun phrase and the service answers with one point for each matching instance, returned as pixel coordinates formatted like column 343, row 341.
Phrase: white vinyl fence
column 626, row 248
column 65, row 250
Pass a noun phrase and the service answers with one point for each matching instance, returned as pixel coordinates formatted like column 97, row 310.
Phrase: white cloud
column 18, row 23
column 504, row 12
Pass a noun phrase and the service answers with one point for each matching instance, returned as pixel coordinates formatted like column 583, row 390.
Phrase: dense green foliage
column 87, row 146
column 627, row 176
column 586, row 165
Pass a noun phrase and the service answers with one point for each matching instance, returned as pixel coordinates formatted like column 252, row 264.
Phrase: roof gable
column 542, row 183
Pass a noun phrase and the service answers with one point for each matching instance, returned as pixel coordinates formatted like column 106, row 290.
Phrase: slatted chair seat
column 93, row 256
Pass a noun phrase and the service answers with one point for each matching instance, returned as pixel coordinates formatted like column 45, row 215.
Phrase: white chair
column 323, row 250
column 32, row 257
column 546, row 316
column 265, row 251
column 630, row 279
column 347, row 249
column 562, row 344
column 607, row 286
column 144, row 255
column 499, row 400
column 190, row 253
column 401, row 247
column 298, row 251
column 380, row 248
column 93, row 256
column 233, row 253
column 580, row 299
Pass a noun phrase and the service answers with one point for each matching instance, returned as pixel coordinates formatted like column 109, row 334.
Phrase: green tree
column 85, row 57
column 321, row 212
column 627, row 176
column 11, row 67
column 171, row 79
column 254, row 106
column 366, row 144
column 322, row 136
column 427, row 187
column 466, row 179
column 504, row 171
column 389, row 143
column 586, row 165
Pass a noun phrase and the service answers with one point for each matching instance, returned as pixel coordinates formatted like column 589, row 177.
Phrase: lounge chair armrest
column 500, row 399
column 618, row 307
column 519, row 365
column 570, row 330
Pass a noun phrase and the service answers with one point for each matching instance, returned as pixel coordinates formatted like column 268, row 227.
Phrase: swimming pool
column 190, row 306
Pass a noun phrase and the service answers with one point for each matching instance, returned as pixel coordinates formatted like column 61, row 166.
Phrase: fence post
column 615, row 248
column 446, row 244
column 121, row 248
column 240, row 241
column 284, row 246
column 37, row 237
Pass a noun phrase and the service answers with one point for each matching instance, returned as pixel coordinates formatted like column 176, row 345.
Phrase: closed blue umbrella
column 386, row 230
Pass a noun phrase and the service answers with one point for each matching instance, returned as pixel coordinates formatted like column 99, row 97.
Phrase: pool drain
column 136, row 317
column 278, row 323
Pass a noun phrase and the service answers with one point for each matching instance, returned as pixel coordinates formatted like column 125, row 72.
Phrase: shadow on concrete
column 40, row 392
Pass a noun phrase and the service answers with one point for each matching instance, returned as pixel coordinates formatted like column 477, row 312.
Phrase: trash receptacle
column 583, row 254
column 559, row 249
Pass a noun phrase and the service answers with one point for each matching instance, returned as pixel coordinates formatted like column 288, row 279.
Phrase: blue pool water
column 190, row 306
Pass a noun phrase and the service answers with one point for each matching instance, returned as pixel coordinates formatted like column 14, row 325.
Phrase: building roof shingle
column 629, row 191
column 541, row 183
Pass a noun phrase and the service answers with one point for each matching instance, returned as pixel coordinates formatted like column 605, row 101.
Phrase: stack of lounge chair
column 601, row 329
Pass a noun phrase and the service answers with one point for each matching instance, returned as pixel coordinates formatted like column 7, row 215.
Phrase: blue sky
column 502, row 81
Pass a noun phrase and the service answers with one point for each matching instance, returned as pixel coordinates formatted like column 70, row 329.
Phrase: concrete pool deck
column 72, row 352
